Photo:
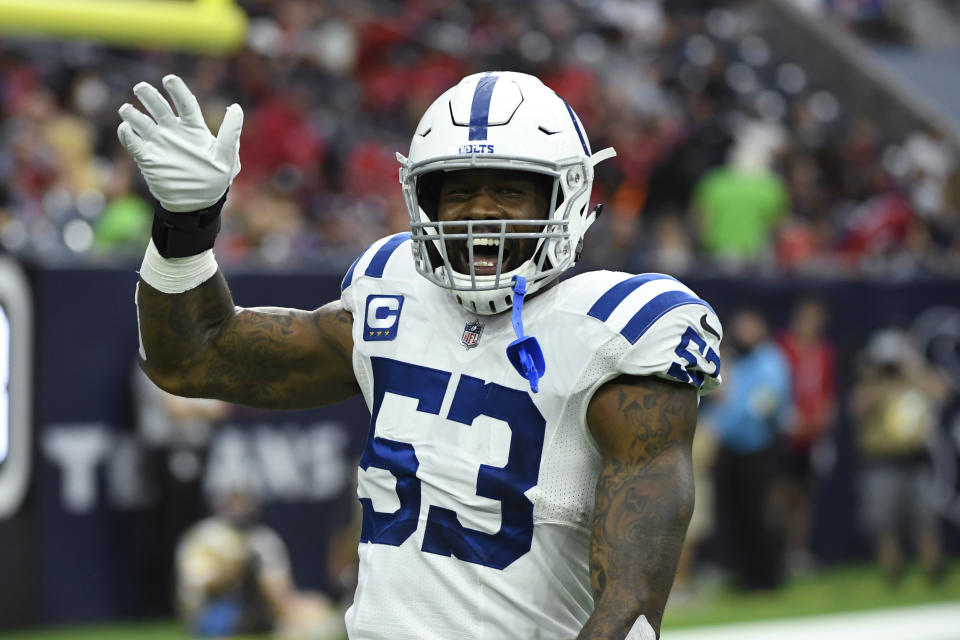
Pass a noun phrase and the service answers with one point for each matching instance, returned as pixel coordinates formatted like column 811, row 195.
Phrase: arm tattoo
column 644, row 500
column 199, row 344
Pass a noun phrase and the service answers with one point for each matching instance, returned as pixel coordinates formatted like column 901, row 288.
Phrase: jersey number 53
column 444, row 535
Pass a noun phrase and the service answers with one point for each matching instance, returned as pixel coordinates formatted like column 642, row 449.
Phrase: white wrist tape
column 176, row 275
column 641, row 630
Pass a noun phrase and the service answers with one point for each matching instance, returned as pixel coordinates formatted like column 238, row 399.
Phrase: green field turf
column 828, row 591
column 145, row 631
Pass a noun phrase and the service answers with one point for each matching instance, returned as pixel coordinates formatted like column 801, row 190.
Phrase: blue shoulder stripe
column 610, row 300
column 379, row 261
column 655, row 309
column 347, row 279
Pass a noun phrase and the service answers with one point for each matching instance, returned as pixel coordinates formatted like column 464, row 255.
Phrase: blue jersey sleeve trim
column 610, row 300
column 379, row 261
column 655, row 309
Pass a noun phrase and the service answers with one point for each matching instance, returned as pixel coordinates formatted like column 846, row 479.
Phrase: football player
column 527, row 470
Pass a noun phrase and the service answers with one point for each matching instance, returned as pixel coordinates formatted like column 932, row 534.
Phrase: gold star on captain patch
column 371, row 333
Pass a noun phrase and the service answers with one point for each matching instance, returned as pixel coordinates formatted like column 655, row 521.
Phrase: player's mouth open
column 486, row 253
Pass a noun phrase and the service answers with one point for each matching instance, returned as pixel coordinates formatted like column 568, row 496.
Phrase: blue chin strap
column 524, row 353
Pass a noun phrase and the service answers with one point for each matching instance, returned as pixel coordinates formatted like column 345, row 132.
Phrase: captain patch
column 382, row 318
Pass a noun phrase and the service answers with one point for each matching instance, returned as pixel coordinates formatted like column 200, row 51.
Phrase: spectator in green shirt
column 740, row 204
column 124, row 226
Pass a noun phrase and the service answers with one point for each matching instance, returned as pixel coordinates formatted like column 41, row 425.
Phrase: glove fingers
column 228, row 138
column 155, row 103
column 141, row 123
column 130, row 140
column 183, row 99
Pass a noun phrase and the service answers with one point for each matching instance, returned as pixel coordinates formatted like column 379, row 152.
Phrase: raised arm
column 194, row 341
column 644, row 427
column 197, row 343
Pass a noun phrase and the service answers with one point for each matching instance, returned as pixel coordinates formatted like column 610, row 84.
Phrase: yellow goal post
column 201, row 26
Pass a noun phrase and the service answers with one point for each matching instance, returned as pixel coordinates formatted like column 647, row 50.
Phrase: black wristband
column 181, row 235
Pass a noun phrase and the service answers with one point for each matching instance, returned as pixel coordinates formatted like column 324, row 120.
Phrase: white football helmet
column 500, row 120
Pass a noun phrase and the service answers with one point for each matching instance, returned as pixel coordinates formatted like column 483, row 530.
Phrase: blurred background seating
column 690, row 92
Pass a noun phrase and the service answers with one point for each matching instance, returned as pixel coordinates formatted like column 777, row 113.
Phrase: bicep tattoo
column 199, row 344
column 644, row 499
column 654, row 416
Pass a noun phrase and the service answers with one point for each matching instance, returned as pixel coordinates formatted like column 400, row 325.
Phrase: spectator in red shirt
column 813, row 367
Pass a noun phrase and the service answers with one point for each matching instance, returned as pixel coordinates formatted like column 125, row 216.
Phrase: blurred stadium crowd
column 727, row 154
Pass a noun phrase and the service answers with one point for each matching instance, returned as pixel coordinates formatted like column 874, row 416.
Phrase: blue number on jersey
column 427, row 386
column 689, row 372
column 444, row 534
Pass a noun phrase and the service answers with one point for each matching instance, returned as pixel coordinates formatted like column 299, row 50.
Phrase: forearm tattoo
column 644, row 500
column 199, row 344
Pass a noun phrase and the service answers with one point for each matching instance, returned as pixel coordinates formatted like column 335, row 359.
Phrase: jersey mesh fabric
column 568, row 476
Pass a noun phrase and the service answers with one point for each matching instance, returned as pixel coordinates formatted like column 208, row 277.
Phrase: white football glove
column 185, row 167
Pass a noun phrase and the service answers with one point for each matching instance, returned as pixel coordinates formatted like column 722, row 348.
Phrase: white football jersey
column 478, row 494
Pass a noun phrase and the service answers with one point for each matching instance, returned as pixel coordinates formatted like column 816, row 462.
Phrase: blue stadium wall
column 88, row 541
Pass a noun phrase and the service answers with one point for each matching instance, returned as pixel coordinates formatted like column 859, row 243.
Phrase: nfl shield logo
column 471, row 334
